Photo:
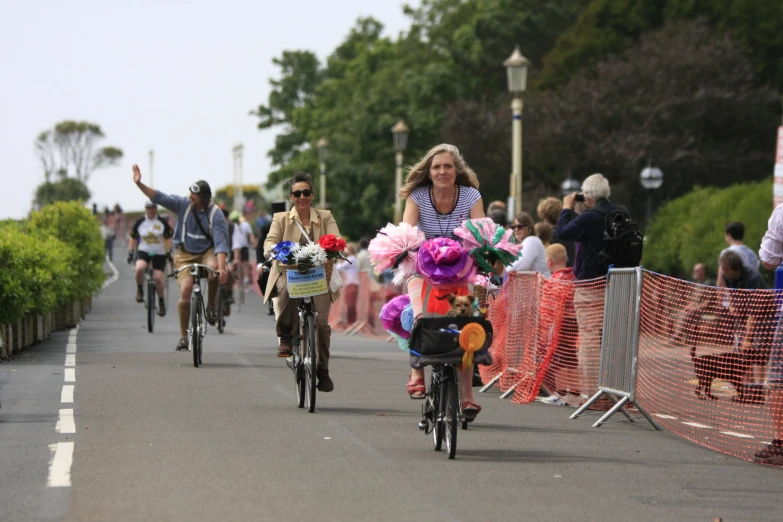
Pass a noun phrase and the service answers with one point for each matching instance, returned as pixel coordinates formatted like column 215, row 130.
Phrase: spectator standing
column 350, row 275
column 543, row 231
column 533, row 257
column 587, row 229
column 700, row 300
column 558, row 298
column 771, row 254
column 363, row 266
column 735, row 234
column 549, row 212
column 109, row 233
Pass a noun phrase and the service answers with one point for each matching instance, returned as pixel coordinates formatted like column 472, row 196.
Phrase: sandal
column 416, row 388
column 470, row 410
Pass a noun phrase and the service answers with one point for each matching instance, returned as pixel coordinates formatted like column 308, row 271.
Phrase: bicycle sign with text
column 307, row 284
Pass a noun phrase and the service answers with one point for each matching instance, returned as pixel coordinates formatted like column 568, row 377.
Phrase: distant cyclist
column 241, row 242
column 200, row 236
column 151, row 234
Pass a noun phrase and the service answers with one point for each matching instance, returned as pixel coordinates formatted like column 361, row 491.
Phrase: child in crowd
column 558, row 300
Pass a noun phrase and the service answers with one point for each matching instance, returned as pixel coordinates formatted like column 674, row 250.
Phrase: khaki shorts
column 182, row 258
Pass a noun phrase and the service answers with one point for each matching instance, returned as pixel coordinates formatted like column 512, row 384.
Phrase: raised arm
column 148, row 191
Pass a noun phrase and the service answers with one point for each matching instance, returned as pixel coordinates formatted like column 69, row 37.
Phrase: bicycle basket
column 430, row 345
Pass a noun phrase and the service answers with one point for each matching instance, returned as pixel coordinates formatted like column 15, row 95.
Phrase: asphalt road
column 157, row 439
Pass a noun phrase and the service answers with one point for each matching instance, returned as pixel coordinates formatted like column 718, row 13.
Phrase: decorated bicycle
column 451, row 333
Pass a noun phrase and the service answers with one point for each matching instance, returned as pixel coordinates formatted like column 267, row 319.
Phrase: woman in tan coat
column 284, row 227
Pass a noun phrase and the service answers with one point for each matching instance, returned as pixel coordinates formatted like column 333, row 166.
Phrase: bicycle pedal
column 422, row 425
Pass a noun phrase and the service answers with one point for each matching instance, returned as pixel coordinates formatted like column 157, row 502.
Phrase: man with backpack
column 606, row 237
column 200, row 236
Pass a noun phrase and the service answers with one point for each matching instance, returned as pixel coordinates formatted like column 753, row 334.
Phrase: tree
column 65, row 189
column 608, row 26
column 72, row 146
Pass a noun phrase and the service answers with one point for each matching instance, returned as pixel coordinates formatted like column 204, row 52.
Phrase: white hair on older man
column 595, row 187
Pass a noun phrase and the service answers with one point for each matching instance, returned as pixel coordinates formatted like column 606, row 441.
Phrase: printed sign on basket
column 312, row 282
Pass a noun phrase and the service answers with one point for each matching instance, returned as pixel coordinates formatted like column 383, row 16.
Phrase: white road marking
column 71, row 347
column 60, row 467
column 70, row 375
column 697, row 425
column 662, row 416
column 66, row 423
column 740, row 435
column 67, row 394
column 115, row 274
column 70, row 359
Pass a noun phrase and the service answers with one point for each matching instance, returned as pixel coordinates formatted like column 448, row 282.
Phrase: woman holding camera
column 292, row 226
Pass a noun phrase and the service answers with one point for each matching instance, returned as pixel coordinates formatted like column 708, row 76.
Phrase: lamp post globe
column 400, row 133
column 570, row 186
column 651, row 179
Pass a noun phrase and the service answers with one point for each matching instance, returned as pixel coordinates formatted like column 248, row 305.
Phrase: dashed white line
column 71, row 347
column 697, row 425
column 662, row 416
column 60, row 467
column 740, row 435
column 67, row 393
column 66, row 423
column 70, row 375
column 70, row 359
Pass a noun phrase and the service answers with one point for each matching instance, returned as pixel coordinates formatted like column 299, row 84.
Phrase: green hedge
column 48, row 261
column 690, row 229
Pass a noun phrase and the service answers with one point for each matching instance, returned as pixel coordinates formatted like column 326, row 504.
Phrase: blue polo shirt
column 195, row 241
column 587, row 228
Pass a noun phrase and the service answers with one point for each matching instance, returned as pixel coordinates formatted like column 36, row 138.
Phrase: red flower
column 332, row 243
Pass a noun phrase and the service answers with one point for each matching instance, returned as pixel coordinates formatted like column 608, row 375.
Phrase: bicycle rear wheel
column 437, row 400
column 299, row 377
column 193, row 337
column 151, row 308
column 311, row 361
column 450, row 414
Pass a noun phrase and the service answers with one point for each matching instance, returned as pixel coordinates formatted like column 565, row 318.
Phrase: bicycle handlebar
column 193, row 269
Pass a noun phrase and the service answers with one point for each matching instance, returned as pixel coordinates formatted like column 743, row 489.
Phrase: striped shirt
column 435, row 224
column 771, row 251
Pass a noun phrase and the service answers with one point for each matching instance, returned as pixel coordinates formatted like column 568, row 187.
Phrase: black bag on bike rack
column 430, row 345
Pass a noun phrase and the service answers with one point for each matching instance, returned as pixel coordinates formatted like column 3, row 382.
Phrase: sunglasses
column 299, row 193
column 514, row 227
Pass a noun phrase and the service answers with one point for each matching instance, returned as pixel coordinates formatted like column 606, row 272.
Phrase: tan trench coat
column 283, row 228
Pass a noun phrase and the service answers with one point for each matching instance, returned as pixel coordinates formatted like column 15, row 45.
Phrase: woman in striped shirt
column 441, row 192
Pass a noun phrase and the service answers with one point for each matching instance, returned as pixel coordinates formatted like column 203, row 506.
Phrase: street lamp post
column 323, row 150
column 239, row 197
column 651, row 179
column 400, row 132
column 516, row 69
column 570, row 185
column 151, row 156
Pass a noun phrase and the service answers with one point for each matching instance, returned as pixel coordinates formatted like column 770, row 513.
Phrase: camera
column 579, row 198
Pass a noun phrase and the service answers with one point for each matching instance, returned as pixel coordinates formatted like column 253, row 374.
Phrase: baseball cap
column 150, row 204
column 234, row 216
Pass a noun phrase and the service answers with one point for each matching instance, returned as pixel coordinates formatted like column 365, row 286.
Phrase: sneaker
column 161, row 308
column 325, row 383
column 211, row 315
column 182, row 345
column 554, row 399
column 139, row 295
column 771, row 454
column 285, row 350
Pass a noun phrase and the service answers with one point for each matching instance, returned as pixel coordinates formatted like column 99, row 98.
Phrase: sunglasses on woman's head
column 299, row 193
column 195, row 189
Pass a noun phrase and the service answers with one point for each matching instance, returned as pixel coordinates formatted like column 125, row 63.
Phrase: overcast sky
column 177, row 77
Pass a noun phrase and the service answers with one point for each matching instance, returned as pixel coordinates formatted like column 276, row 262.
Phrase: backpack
column 623, row 242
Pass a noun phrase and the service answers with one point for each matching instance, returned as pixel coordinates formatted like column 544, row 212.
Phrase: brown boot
column 325, row 383
column 284, row 350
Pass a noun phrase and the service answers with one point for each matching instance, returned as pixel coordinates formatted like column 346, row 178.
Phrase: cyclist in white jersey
column 151, row 234
column 241, row 241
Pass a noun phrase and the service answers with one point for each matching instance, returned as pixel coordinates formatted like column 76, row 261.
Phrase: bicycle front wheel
column 151, row 293
column 437, row 401
column 450, row 415
column 221, row 304
column 194, row 339
column 311, row 360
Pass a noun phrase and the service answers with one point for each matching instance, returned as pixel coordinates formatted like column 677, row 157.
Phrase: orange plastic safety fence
column 496, row 313
column 703, row 359
column 356, row 309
